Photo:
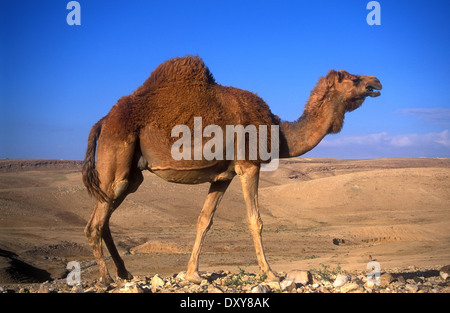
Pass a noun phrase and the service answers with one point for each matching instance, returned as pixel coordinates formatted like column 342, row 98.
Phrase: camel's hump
column 188, row 69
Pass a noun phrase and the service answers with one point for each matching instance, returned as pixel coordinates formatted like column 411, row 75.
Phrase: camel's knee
column 93, row 231
column 119, row 187
column 92, row 234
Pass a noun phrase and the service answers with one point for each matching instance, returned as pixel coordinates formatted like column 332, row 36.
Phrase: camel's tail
column 90, row 174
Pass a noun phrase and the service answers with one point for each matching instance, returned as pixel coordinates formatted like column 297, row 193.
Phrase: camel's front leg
column 249, row 174
column 204, row 223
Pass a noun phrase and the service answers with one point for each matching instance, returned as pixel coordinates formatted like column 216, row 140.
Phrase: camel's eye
column 356, row 80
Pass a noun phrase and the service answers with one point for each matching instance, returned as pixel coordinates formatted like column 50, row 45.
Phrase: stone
column 90, row 290
column 46, row 288
column 411, row 288
column 102, row 287
column 157, row 281
column 140, row 279
column 300, row 277
column 260, row 289
column 445, row 272
column 288, row 284
column 204, row 282
column 180, row 276
column 273, row 285
column 340, row 280
column 323, row 289
column 195, row 288
column 76, row 289
column 349, row 287
column 386, row 279
column 338, row 241
column 131, row 287
column 401, row 280
column 246, row 288
column 184, row 283
column 214, row 289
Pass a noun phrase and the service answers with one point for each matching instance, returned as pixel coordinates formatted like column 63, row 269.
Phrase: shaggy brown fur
column 182, row 88
column 136, row 135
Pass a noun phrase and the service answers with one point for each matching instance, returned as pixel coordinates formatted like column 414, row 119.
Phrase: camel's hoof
column 107, row 280
column 125, row 275
column 102, row 285
column 193, row 277
column 271, row 277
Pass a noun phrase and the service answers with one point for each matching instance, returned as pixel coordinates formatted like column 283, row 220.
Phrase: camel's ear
column 331, row 77
column 340, row 75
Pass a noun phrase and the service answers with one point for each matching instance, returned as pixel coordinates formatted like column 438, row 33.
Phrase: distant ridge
column 18, row 165
column 22, row 165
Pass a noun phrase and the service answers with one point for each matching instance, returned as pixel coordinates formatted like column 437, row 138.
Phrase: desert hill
column 330, row 211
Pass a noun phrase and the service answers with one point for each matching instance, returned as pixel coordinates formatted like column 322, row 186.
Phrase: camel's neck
column 320, row 118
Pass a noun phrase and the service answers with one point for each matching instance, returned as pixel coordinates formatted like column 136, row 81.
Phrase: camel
column 136, row 135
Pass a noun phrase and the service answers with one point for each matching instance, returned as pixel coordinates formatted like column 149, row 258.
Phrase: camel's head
column 353, row 88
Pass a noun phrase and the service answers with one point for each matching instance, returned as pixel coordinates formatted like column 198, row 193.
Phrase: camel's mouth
column 372, row 91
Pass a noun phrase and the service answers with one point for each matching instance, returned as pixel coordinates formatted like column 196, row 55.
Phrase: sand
column 329, row 211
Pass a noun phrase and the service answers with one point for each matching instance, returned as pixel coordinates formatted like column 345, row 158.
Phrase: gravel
column 409, row 280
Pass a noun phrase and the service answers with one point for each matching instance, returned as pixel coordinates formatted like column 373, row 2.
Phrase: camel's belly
column 157, row 157
column 194, row 176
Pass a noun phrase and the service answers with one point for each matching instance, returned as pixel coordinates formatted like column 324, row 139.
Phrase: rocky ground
column 320, row 280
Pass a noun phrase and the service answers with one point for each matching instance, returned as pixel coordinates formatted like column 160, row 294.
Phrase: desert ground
column 329, row 211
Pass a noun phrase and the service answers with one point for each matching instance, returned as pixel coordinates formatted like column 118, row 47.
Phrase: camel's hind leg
column 94, row 232
column 98, row 229
column 119, row 176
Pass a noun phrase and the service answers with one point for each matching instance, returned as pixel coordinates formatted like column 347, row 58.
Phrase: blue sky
column 57, row 80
